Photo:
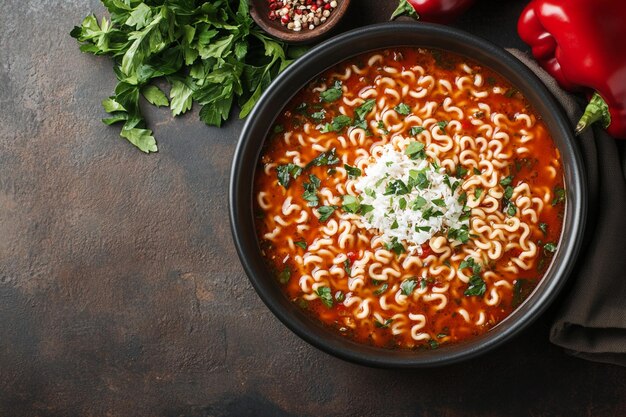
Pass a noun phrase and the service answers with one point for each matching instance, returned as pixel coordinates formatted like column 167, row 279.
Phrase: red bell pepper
column 436, row 11
column 582, row 43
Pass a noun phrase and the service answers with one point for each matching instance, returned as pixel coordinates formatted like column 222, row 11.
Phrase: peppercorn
column 298, row 14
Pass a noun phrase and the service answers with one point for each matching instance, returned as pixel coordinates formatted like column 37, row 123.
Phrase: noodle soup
column 409, row 198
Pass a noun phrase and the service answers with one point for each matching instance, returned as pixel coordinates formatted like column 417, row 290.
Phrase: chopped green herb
column 325, row 295
column 325, row 212
column 287, row 172
column 511, row 210
column 418, row 203
column 278, row 128
column 362, row 111
column 415, row 150
column 339, row 123
column 442, row 125
column 508, row 192
column 382, row 128
column 351, row 204
column 383, row 325
column 395, row 246
column 340, row 296
column 506, row 181
column 462, row 234
column 333, row 93
column 476, row 171
column 381, row 289
column 460, row 171
column 285, row 275
column 396, row 187
column 433, row 344
column 353, row 172
column 477, row 193
column 559, row 195
column 462, row 198
column 476, row 285
column 416, row 130
column 402, row 203
column 403, row 109
column 418, row 179
column 431, row 212
column 366, row 208
column 550, row 247
column 301, row 243
column 394, row 225
column 310, row 190
column 408, row 286
column 318, row 115
column 544, row 228
column 439, row 202
column 347, row 266
column 325, row 158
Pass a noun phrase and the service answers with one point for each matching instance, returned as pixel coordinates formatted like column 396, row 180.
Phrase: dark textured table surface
column 120, row 290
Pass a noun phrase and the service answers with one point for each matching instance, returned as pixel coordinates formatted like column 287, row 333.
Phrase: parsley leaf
column 550, row 247
column 287, row 172
column 395, row 246
column 544, row 228
column 351, row 204
column 383, row 325
column 325, row 158
column 363, row 110
column 325, row 212
column 347, row 266
column 339, row 123
column 318, row 115
column 381, row 289
column 402, row 109
column 324, row 294
column 476, row 285
column 442, row 125
column 559, row 195
column 396, row 187
column 301, row 243
column 310, row 190
column 353, row 172
column 285, row 275
column 408, row 286
column 382, row 128
column 333, row 93
column 416, row 130
column 506, row 181
column 415, row 150
column 209, row 52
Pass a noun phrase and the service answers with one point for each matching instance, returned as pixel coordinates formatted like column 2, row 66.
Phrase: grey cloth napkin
column 591, row 321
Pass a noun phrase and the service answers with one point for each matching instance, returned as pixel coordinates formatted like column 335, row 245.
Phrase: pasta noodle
column 409, row 198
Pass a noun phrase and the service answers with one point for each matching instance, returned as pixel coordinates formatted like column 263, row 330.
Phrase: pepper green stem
column 404, row 9
column 597, row 109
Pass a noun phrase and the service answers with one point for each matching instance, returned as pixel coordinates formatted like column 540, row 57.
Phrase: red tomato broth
column 446, row 325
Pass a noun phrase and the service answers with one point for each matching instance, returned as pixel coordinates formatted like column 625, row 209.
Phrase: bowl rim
column 317, row 61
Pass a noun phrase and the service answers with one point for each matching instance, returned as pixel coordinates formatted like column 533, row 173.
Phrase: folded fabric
column 591, row 322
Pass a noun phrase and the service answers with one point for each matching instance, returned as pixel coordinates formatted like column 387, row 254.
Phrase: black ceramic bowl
column 334, row 51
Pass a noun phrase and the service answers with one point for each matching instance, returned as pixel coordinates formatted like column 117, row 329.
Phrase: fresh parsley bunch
column 210, row 52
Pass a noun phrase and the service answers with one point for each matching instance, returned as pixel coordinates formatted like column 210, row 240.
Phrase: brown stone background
column 120, row 290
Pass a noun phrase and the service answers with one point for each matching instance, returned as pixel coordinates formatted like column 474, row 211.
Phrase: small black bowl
column 354, row 43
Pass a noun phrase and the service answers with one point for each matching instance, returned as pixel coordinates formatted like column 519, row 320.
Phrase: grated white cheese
column 409, row 221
